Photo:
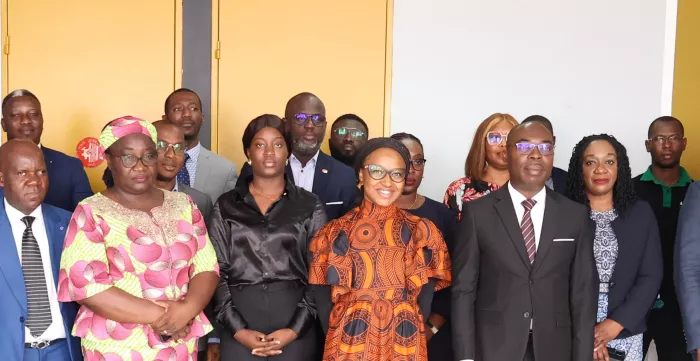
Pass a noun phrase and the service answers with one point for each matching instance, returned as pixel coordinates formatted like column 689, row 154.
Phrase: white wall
column 589, row 66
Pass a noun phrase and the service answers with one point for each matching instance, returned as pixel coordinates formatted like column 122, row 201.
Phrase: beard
column 305, row 148
column 338, row 154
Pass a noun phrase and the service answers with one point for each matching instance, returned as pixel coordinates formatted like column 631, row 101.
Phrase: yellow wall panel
column 686, row 81
column 92, row 61
column 272, row 50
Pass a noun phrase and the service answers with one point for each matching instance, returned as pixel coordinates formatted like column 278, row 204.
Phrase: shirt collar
column 684, row 180
column 518, row 197
column 311, row 162
column 176, row 187
column 194, row 151
column 14, row 215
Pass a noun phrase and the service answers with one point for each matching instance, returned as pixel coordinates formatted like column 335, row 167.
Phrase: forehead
column 170, row 133
column 267, row 133
column 134, row 142
column 306, row 105
column 598, row 147
column 412, row 146
column 348, row 123
column 502, row 126
column 23, row 101
column 183, row 98
column 667, row 127
column 533, row 132
column 386, row 157
column 23, row 158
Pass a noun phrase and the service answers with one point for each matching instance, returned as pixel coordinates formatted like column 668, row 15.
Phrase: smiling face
column 385, row 191
column 599, row 168
column 171, row 151
column 22, row 119
column 496, row 153
column 268, row 153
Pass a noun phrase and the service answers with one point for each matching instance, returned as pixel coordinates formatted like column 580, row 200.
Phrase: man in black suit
column 557, row 180
column 22, row 119
column 524, row 282
column 332, row 181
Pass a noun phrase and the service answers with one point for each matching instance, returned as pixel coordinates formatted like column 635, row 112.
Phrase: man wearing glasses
column 348, row 134
column 663, row 186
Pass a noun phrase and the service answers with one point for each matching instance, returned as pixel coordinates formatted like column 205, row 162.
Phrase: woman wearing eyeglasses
column 486, row 168
column 137, row 258
column 348, row 134
column 438, row 332
column 377, row 258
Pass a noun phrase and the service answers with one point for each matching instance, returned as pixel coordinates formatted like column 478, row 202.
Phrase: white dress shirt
column 304, row 176
column 55, row 330
column 536, row 214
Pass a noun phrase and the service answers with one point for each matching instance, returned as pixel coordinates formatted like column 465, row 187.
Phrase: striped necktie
column 528, row 229
column 183, row 176
column 38, row 307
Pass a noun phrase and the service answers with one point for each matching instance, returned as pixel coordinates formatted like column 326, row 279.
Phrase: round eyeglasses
column 130, row 161
column 163, row 146
column 377, row 172
column 302, row 119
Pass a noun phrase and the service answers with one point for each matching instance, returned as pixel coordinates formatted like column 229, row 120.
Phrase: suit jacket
column 335, row 184
column 497, row 293
column 215, row 175
column 13, row 296
column 68, row 182
column 559, row 180
column 638, row 270
column 201, row 199
column 687, row 265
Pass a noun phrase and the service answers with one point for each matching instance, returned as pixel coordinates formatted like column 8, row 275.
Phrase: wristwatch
column 432, row 327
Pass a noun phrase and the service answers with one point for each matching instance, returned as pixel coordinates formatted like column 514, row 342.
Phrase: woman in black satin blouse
column 261, row 231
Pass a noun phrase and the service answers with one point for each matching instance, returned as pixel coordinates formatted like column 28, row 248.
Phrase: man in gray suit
column 204, row 170
column 687, row 267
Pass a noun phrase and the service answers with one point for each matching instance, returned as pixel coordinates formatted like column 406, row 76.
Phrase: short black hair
column 19, row 93
column 665, row 119
column 623, row 191
column 352, row 117
column 181, row 90
column 539, row 119
column 257, row 124
column 402, row 136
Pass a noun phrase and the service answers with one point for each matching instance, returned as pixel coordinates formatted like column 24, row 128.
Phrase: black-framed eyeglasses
column 495, row 138
column 377, row 172
column 418, row 164
column 353, row 132
column 660, row 139
column 130, row 161
column 163, row 146
column 302, row 118
column 526, row 148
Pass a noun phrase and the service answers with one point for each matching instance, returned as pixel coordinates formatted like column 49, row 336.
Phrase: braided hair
column 623, row 190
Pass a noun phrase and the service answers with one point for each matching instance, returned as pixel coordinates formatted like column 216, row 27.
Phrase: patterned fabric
column 605, row 251
column 148, row 255
column 38, row 307
column 191, row 164
column 183, row 176
column 121, row 127
column 464, row 190
column 377, row 259
column 528, row 229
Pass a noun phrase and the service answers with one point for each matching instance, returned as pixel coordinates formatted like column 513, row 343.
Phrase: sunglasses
column 418, row 164
column 303, row 118
column 130, row 161
column 495, row 138
column 377, row 172
column 163, row 146
column 354, row 132
column 526, row 148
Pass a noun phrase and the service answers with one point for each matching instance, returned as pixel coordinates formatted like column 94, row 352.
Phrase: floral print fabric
column 151, row 255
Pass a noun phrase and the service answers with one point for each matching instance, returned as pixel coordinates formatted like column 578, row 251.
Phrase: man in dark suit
column 22, row 119
column 35, row 326
column 332, row 181
column 524, row 281
column 687, row 267
column 557, row 180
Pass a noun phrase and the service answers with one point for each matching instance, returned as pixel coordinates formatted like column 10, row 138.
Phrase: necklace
column 272, row 198
column 414, row 202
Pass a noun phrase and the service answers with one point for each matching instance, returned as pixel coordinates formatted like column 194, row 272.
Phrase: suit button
column 526, row 314
column 612, row 284
column 21, row 319
column 531, row 282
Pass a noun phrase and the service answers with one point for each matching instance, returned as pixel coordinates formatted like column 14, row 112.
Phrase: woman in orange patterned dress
column 377, row 258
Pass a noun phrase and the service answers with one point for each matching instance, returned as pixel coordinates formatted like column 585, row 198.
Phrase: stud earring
column 286, row 162
column 250, row 162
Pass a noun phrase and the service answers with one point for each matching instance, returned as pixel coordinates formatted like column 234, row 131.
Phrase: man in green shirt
column 663, row 186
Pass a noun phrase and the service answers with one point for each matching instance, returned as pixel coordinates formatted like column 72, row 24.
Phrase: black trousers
column 665, row 327
column 267, row 308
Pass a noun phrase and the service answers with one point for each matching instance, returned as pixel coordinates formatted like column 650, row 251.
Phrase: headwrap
column 378, row 143
column 121, row 127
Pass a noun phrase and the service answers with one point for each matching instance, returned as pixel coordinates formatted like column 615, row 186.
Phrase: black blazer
column 335, row 184
column 638, row 271
column 559, row 179
column 497, row 293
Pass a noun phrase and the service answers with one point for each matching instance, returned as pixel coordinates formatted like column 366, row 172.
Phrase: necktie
column 39, row 310
column 183, row 176
column 528, row 229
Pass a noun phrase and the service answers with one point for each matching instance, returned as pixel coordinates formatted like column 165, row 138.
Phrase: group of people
column 307, row 256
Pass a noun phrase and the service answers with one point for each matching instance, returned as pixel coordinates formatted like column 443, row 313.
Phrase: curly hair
column 623, row 190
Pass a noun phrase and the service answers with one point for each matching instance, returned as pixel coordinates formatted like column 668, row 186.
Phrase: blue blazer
column 68, row 182
column 687, row 266
column 13, row 296
column 336, row 187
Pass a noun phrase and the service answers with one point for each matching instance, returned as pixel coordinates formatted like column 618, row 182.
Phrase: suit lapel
column 549, row 226
column 321, row 177
column 10, row 266
column 504, row 207
column 55, row 232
